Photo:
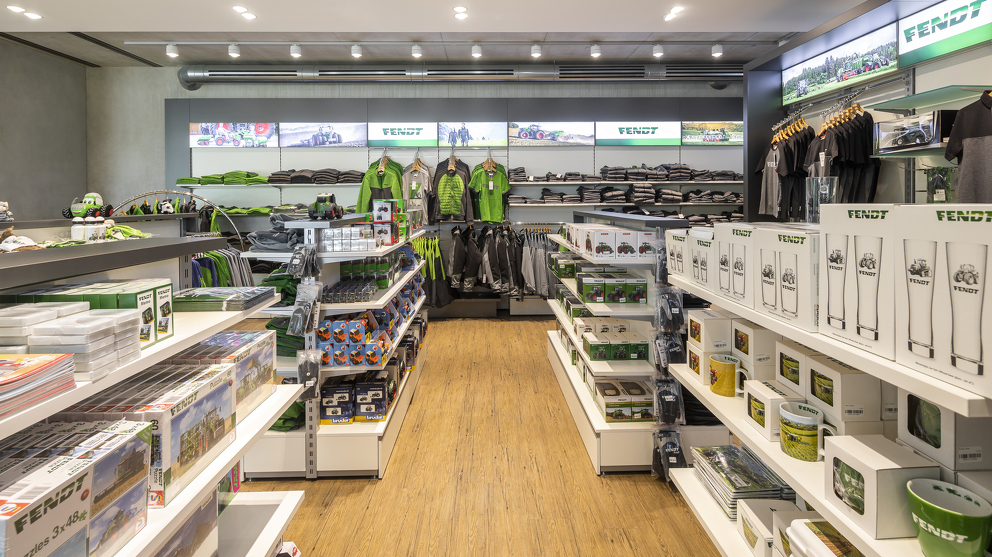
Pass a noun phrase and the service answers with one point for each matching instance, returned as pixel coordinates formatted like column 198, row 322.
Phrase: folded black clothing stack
column 696, row 219
column 551, row 196
column 724, row 175
column 637, row 174
column 655, row 175
column 678, row 172
column 724, row 197
column 518, row 174
column 301, row 177
column 701, row 175
column 668, row 196
column 280, row 176
column 605, row 171
column 736, row 217
column 591, row 178
column 613, row 195
column 640, row 194
column 574, row 177
column 326, row 176
column 571, row 198
column 351, row 177
column 713, row 219
column 590, row 195
column 514, row 199
column 699, row 196
column 552, row 177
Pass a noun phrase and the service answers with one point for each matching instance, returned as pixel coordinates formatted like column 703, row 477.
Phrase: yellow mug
column 724, row 371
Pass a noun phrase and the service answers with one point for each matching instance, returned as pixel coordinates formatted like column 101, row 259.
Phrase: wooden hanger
column 452, row 161
column 383, row 161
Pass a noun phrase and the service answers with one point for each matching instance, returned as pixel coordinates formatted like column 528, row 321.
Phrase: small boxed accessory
column 792, row 366
column 735, row 256
column 604, row 244
column 641, row 400
column 763, row 399
column 614, row 289
column 637, row 289
column 755, row 523
column 752, row 343
column 644, row 241
column 780, row 523
column 709, row 330
column 591, row 286
column 619, row 345
column 914, row 132
column 951, row 439
column 842, row 392
column 638, row 345
column 866, row 481
column 699, row 362
column 613, row 402
column 626, row 243
column 382, row 210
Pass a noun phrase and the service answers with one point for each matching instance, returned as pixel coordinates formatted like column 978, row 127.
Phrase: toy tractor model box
column 916, row 131
column 325, row 208
column 91, row 206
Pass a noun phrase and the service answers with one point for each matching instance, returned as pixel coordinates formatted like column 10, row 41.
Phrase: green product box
column 592, row 288
column 369, row 268
column 596, row 346
column 619, row 346
column 165, row 326
column 637, row 289
column 615, row 289
column 108, row 297
column 613, row 270
column 563, row 265
column 574, row 308
column 638, row 346
column 28, row 296
column 141, row 296
column 587, row 268
column 641, row 400
column 561, row 291
column 345, row 270
column 613, row 402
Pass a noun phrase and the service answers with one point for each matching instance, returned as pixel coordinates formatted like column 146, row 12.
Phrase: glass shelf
column 944, row 95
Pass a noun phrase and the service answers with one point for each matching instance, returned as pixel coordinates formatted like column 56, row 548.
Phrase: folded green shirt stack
column 256, row 179
column 235, row 177
column 185, row 181
column 212, row 179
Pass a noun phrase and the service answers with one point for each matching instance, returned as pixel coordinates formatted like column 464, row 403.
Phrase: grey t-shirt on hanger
column 771, row 184
column 971, row 144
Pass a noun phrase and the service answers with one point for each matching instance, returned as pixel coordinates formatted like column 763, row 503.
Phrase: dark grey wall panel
column 763, row 109
column 177, row 149
column 603, row 110
column 278, row 110
column 437, row 110
column 711, row 110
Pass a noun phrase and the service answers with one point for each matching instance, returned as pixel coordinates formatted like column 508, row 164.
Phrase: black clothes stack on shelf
column 518, row 174
column 971, row 144
column 641, row 194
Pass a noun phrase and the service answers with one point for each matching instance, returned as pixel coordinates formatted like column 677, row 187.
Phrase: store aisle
column 489, row 463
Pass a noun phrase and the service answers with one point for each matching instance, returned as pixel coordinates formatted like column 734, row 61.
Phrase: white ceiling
column 386, row 16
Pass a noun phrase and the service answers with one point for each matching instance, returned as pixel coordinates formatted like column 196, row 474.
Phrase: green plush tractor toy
column 325, row 208
column 91, row 206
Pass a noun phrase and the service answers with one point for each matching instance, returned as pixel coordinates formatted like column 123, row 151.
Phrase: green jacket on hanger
column 387, row 186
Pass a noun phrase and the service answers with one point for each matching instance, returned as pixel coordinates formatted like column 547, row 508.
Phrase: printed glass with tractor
column 91, row 206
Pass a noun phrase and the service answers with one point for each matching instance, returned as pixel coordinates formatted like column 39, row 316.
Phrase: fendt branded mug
column 726, row 375
column 950, row 521
column 801, row 430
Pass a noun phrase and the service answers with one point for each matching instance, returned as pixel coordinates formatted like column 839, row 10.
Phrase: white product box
column 781, row 521
column 786, row 274
column 626, row 244
column 818, row 538
column 890, row 428
column 763, row 399
column 753, row 343
column 843, row 392
column 735, row 257
column 699, row 362
column 199, row 534
column 949, row 438
column 755, row 523
column 703, row 436
column 856, row 428
column 604, row 244
column 858, row 266
column 946, row 474
column 764, row 372
column 677, row 246
column 943, row 311
column 890, row 402
column 866, row 481
column 702, row 265
column 791, row 363
column 978, row 482
column 644, row 241
column 709, row 330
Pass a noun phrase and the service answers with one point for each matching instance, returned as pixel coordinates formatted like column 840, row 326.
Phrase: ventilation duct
column 194, row 76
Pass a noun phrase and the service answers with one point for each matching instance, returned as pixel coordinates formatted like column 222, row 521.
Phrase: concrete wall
column 42, row 131
column 126, row 111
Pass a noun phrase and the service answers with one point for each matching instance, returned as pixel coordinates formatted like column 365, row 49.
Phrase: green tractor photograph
column 535, row 132
column 719, row 135
column 91, row 206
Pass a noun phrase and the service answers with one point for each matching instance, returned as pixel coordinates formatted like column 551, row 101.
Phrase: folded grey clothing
column 571, row 198
column 666, row 191
column 535, row 201
column 273, row 240
column 696, row 218
column 301, row 177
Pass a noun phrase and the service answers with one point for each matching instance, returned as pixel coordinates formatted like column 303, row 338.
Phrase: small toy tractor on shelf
column 91, row 206
column 325, row 208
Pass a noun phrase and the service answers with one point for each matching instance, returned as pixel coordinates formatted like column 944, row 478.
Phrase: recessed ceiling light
column 461, row 9
column 417, row 51
column 172, row 51
column 677, row 9
column 594, row 51
column 669, row 17
column 356, row 50
column 461, row 15
column 717, row 50
column 247, row 15
column 233, row 50
column 476, row 51
column 657, row 51
column 535, row 51
column 240, row 9
column 295, row 51
column 15, row 9
column 32, row 16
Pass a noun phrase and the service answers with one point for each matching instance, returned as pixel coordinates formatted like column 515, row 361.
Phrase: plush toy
column 165, row 208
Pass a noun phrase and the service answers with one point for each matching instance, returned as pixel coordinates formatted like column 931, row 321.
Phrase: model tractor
column 324, row 334
column 325, row 208
column 604, row 248
column 91, row 206
column 535, row 132
column 625, row 248
column 911, row 135
column 644, row 249
column 716, row 136
column 340, row 357
column 596, row 293
column 637, row 295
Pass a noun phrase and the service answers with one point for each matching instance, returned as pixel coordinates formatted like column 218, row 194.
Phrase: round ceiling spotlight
column 461, row 15
column 356, row 50
column 677, row 9
column 461, row 9
column 240, row 9
column 717, row 50
column 594, row 51
column 657, row 51
column 417, row 51
column 535, row 51
column 233, row 50
column 295, row 51
column 247, row 15
column 476, row 51
column 669, row 17
column 16, row 9
column 172, row 51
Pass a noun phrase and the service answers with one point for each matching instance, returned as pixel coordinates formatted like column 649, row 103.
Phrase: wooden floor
column 489, row 462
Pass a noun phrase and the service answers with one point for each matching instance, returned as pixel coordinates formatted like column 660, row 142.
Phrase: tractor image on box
column 535, row 132
column 91, row 206
column 325, row 208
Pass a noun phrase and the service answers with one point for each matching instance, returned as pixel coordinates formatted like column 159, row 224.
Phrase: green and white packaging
column 755, row 523
column 141, row 296
column 943, row 435
column 613, row 401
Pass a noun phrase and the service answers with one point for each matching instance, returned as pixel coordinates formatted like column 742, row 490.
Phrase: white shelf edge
column 333, row 256
column 806, row 478
column 945, row 394
column 721, row 530
column 602, row 309
column 162, row 523
column 597, row 420
column 557, row 238
column 185, row 336
column 602, row 369
column 237, row 519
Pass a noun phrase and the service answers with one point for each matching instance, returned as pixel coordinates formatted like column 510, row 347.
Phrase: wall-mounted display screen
column 551, row 134
column 861, row 59
column 471, row 134
column 252, row 134
column 402, row 134
column 944, row 28
column 327, row 134
column 712, row 133
column 638, row 133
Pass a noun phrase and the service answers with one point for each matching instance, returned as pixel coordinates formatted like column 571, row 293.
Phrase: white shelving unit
column 602, row 260
column 679, row 183
column 267, row 513
column 333, row 256
column 590, row 205
column 190, row 328
column 604, row 369
column 806, row 478
column 610, row 309
column 937, row 391
column 720, row 529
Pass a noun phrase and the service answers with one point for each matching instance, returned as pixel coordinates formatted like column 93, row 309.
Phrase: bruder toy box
column 857, row 263
column 787, row 274
column 735, row 256
column 943, row 317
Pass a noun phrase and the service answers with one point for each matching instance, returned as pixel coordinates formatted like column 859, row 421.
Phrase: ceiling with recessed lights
column 98, row 31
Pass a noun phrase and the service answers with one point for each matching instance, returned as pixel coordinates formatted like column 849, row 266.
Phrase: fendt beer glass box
column 735, row 256
column 787, row 274
column 857, row 268
column 942, row 310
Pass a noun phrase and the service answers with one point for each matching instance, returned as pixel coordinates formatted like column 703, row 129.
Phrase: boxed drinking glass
column 787, row 274
column 735, row 256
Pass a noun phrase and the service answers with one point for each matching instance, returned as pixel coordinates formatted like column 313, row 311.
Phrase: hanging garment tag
column 490, row 185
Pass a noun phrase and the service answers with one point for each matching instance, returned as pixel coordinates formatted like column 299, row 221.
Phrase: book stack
column 26, row 379
column 731, row 474
column 222, row 299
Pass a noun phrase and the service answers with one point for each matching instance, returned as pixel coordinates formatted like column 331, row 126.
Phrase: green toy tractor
column 91, row 206
column 325, row 208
